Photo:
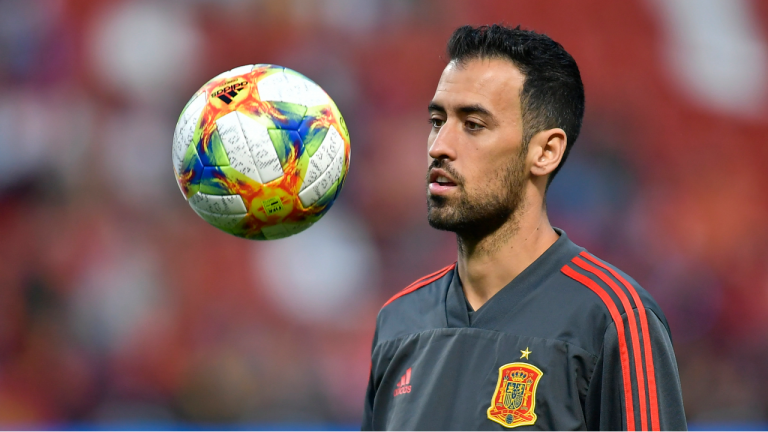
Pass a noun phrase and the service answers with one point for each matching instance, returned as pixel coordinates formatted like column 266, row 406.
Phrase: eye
column 470, row 125
column 436, row 122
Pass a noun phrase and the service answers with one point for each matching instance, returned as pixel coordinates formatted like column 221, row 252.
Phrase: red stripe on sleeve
column 654, row 402
column 427, row 276
column 623, row 353
column 637, row 357
column 426, row 280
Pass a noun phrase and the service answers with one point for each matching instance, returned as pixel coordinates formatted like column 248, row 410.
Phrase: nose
column 442, row 142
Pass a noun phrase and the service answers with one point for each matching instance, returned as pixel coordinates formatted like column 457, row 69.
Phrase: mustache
column 443, row 165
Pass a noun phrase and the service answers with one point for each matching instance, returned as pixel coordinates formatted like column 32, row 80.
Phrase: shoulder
column 422, row 282
column 418, row 307
column 617, row 293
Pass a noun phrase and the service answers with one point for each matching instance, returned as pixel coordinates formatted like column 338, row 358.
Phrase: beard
column 479, row 213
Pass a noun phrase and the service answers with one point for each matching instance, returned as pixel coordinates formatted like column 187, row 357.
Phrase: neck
column 488, row 264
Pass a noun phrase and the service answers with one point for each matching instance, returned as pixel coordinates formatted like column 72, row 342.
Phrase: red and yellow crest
column 515, row 396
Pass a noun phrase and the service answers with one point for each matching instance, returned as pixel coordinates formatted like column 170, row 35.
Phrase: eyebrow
column 435, row 107
column 464, row 109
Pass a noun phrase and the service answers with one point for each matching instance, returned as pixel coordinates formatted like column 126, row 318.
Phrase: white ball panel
column 296, row 227
column 185, row 130
column 235, row 72
column 323, row 157
column 282, row 87
column 285, row 229
column 218, row 204
column 274, row 232
column 236, row 146
column 316, row 190
column 225, row 222
column 262, row 150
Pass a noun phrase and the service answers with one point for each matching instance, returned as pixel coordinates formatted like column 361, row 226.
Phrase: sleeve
column 370, row 393
column 629, row 392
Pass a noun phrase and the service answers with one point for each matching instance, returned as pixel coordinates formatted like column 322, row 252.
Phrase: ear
column 545, row 151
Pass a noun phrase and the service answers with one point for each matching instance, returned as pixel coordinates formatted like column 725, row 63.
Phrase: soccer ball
column 261, row 152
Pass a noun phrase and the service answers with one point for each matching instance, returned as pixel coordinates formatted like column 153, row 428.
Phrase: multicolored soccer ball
column 261, row 152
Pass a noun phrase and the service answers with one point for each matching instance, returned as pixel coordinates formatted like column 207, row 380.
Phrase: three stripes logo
column 404, row 385
column 228, row 92
column 621, row 299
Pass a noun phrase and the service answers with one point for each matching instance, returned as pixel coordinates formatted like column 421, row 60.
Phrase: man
column 526, row 329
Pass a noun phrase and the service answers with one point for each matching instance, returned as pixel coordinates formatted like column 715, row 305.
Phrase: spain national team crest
column 515, row 396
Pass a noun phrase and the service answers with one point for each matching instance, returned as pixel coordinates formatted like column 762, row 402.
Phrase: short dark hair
column 552, row 95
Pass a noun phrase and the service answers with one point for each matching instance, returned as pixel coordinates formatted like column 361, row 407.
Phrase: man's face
column 477, row 173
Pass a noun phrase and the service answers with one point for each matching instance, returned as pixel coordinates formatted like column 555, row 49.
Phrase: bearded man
column 526, row 329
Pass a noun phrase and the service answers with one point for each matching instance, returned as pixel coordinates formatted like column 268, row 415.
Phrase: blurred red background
column 119, row 305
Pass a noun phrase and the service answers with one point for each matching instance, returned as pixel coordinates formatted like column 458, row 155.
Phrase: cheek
column 482, row 173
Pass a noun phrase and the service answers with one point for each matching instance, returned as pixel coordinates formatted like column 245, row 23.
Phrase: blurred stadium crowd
column 119, row 304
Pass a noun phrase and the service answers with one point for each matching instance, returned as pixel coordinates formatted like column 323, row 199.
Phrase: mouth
column 440, row 182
